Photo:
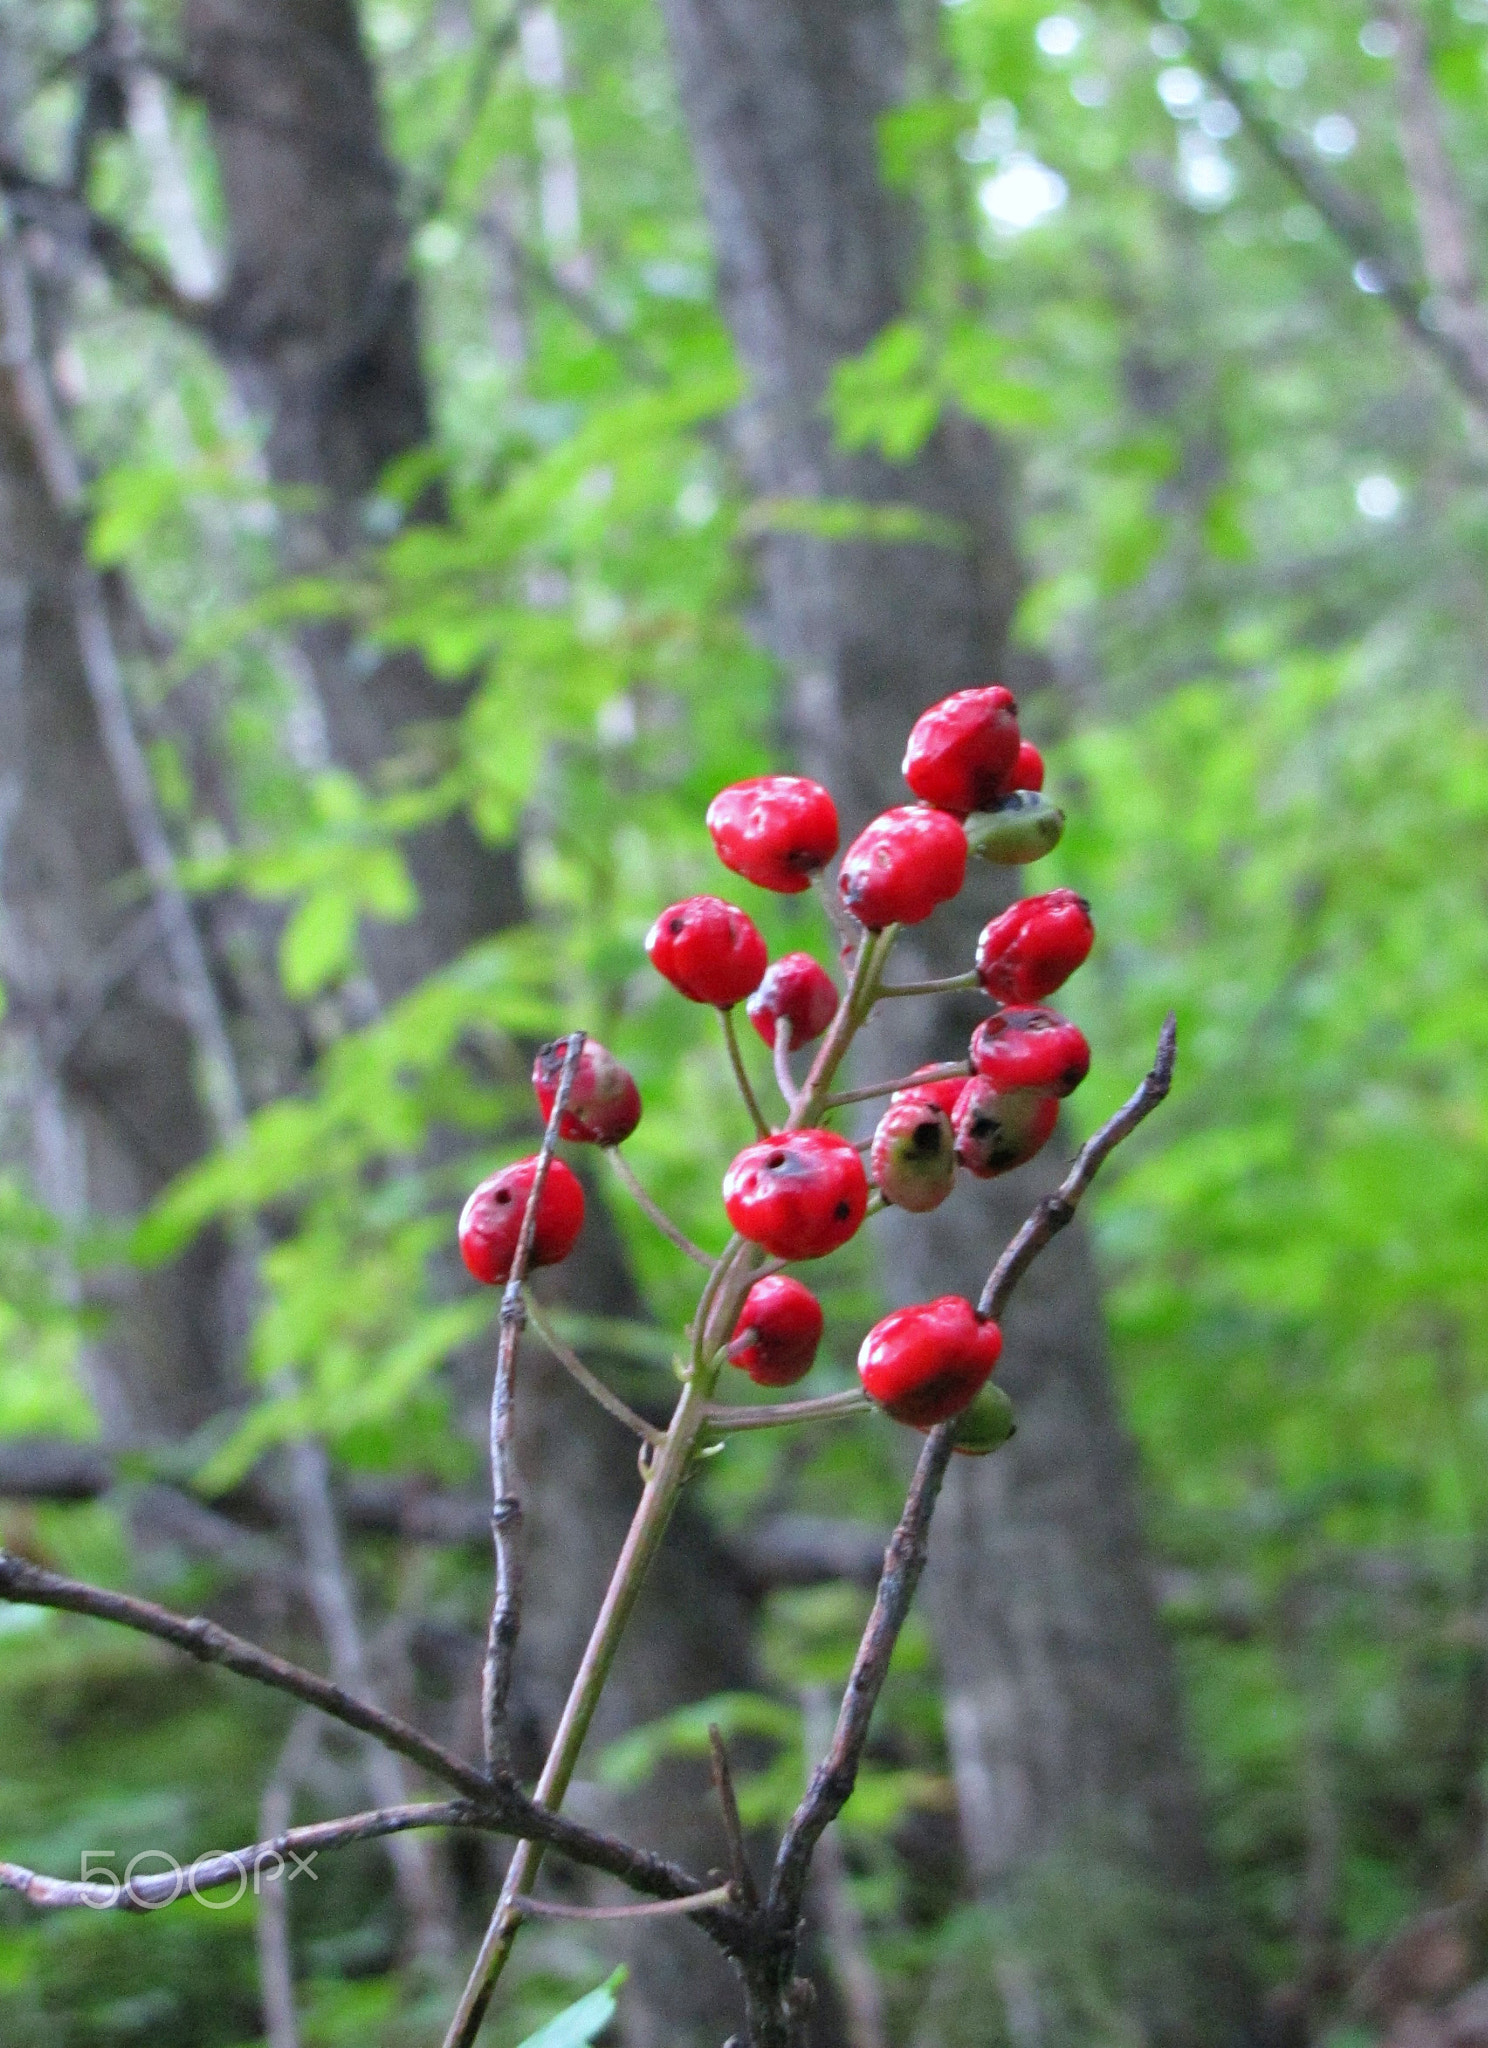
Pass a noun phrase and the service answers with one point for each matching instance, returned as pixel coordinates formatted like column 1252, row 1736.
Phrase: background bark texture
column 1061, row 1706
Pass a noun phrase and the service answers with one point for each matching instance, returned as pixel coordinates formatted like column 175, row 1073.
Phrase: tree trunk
column 320, row 327
column 1062, row 1714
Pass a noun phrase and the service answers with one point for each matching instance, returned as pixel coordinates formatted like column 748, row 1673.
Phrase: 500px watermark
column 154, row 1878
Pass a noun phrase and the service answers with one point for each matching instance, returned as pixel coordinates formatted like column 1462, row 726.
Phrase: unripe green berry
column 1024, row 827
column 986, row 1424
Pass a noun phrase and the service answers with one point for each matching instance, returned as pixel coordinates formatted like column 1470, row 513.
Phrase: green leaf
column 583, row 2022
column 319, row 943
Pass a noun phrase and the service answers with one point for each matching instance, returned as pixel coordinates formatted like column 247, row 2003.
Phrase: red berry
column 777, row 1333
column 800, row 1194
column 995, row 1133
column 708, row 950
column 1030, row 1048
column 914, row 1155
column 1034, row 947
column 963, row 751
column 944, row 1094
column 776, row 830
column 604, row 1104
column 491, row 1221
column 1028, row 771
column 902, row 865
column 798, row 988
column 927, row 1362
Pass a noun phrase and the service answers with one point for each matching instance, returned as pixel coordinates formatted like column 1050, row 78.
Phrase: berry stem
column 590, row 1382
column 812, row 1099
column 649, row 1207
column 948, row 1070
column 848, row 932
column 783, row 1079
column 780, row 1414
column 947, row 986
column 746, row 1086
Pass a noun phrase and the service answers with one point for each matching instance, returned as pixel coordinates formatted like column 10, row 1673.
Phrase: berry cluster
column 802, row 1190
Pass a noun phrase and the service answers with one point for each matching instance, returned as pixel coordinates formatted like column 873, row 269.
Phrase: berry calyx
column 1024, row 827
column 995, row 1133
column 800, row 1194
column 1030, row 1048
column 777, row 1333
column 925, row 1363
column 945, row 1094
column 775, row 830
column 913, row 1159
column 491, row 1221
column 986, row 1423
column 709, row 950
column 1028, row 770
column 796, row 988
column 604, row 1104
column 902, row 865
column 962, row 752
column 1034, row 947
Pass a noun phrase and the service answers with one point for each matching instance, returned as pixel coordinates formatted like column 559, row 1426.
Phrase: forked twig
column 723, row 1785
column 506, row 1504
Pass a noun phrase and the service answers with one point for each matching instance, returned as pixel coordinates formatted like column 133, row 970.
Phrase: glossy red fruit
column 800, row 1194
column 1028, row 770
column 995, row 1133
column 902, row 865
column 795, row 987
column 708, row 950
column 924, row 1363
column 1034, row 947
column 776, row 830
column 604, row 1103
column 491, row 1221
column 963, row 751
column 777, row 1333
column 944, row 1094
column 913, row 1159
column 1033, row 1048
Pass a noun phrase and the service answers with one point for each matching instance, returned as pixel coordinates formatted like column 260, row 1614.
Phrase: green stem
column 746, row 1086
column 945, row 987
column 825, row 1408
column 862, row 986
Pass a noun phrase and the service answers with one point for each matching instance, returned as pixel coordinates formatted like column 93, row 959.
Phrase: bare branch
column 236, row 1866
column 29, row 1584
column 502, row 1806
column 654, row 1211
column 271, row 1922
column 1056, row 1210
column 506, row 1505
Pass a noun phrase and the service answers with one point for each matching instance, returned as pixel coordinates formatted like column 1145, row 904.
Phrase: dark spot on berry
column 676, row 925
column 926, row 1137
column 842, row 1211
column 776, row 1159
column 503, row 1195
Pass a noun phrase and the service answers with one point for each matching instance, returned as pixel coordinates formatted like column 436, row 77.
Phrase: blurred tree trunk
column 1062, row 1712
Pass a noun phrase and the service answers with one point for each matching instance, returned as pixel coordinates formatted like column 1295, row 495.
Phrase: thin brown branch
column 31, row 1585
column 852, row 1966
column 723, row 1785
column 237, row 1867
column 506, row 1504
column 503, row 1807
column 1056, row 1210
column 654, row 1211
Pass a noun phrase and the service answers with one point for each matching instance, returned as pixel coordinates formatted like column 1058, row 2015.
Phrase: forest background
column 409, row 439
